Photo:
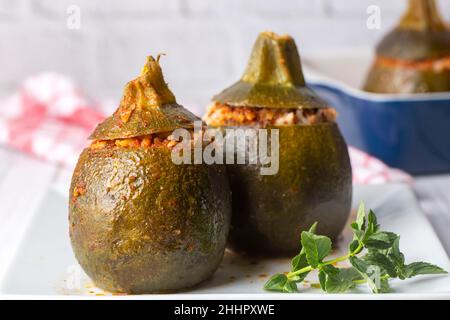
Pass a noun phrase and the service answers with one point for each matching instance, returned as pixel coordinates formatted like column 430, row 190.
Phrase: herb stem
column 296, row 273
column 290, row 275
column 357, row 282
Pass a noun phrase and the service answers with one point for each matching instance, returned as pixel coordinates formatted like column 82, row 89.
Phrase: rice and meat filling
column 150, row 140
column 434, row 65
column 223, row 115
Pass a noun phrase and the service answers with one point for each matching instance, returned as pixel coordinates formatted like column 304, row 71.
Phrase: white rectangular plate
column 44, row 264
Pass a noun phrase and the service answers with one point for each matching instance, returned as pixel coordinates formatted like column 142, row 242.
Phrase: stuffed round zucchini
column 313, row 182
column 138, row 222
column 415, row 56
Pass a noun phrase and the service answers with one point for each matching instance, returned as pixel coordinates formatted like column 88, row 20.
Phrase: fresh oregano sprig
column 380, row 261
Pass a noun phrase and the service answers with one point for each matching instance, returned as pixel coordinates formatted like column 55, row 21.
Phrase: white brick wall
column 291, row 9
column 207, row 41
column 112, row 9
column 12, row 9
column 352, row 8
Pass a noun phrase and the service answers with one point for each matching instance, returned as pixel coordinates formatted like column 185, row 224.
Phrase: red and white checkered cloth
column 50, row 118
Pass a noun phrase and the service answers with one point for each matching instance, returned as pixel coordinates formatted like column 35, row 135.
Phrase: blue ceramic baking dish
column 410, row 132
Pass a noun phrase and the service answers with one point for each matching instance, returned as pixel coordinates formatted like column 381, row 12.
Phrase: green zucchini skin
column 314, row 183
column 144, row 224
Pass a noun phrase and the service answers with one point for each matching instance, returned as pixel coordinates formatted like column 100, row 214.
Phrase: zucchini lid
column 147, row 107
column 420, row 35
column 273, row 78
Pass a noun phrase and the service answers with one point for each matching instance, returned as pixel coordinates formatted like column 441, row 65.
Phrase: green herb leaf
column 300, row 261
column 394, row 252
column 380, row 240
column 338, row 280
column 361, row 217
column 417, row 268
column 342, row 281
column 364, row 227
column 397, row 258
column 371, row 273
column 290, row 287
column 359, row 234
column 276, row 282
column 372, row 225
column 377, row 258
column 352, row 273
column 329, row 269
column 384, row 286
column 316, row 247
column 353, row 245
column 313, row 228
column 413, row 269
column 323, row 279
column 372, row 221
